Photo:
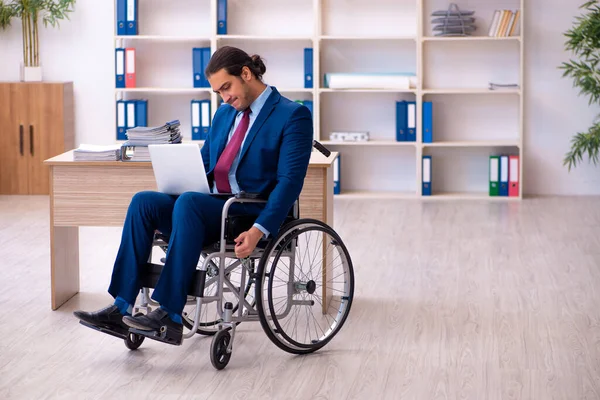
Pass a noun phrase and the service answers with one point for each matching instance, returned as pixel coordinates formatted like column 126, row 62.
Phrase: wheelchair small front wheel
column 133, row 341
column 305, row 286
column 219, row 356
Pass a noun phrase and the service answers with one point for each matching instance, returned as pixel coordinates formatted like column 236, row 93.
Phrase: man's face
column 233, row 89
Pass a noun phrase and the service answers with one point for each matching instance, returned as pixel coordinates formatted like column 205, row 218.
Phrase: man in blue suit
column 260, row 142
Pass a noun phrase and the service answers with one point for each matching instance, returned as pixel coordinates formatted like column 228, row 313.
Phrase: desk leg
column 316, row 201
column 64, row 276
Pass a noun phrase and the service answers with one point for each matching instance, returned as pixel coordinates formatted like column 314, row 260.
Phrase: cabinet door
column 13, row 157
column 44, row 132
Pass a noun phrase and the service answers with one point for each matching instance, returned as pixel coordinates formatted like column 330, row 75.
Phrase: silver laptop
column 178, row 168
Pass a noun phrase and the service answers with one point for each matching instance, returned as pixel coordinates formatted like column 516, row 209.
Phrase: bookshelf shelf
column 163, row 38
column 497, row 92
column 264, row 37
column 367, row 37
column 294, row 90
column 491, row 143
column 368, row 143
column 468, row 196
column 363, row 194
column 470, row 38
column 328, row 90
column 470, row 121
column 163, row 90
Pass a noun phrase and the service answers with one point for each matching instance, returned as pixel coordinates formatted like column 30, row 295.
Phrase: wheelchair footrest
column 165, row 337
column 121, row 335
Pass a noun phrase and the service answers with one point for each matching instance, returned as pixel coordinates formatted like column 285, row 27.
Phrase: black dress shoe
column 107, row 318
column 156, row 325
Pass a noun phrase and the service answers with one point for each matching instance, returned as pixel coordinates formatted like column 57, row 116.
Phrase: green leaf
column 584, row 143
column 583, row 40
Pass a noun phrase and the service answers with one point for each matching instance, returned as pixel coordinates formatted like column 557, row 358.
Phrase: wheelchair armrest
column 251, row 196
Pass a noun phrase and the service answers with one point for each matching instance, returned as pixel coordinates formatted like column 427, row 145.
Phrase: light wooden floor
column 457, row 300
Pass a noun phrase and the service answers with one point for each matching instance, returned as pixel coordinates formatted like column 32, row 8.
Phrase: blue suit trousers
column 191, row 221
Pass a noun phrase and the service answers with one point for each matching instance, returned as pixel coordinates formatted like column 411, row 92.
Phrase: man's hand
column 246, row 242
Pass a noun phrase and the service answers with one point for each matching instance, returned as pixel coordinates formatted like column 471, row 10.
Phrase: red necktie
column 226, row 159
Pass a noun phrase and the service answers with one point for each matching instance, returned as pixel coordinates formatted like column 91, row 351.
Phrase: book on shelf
column 504, row 23
column 504, row 175
column 127, row 17
column 406, row 121
column 130, row 114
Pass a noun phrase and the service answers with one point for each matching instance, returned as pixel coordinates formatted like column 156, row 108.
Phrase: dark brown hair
column 233, row 60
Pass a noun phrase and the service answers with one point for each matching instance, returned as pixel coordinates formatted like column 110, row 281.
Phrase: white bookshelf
column 470, row 121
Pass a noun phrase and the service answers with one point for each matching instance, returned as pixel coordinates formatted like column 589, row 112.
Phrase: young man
column 260, row 142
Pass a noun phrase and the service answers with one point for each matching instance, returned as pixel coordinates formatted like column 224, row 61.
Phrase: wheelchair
column 298, row 284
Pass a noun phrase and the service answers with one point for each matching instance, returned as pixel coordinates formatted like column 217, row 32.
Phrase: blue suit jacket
column 274, row 158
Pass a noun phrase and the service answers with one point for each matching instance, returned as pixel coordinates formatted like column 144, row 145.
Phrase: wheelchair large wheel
column 210, row 317
column 305, row 286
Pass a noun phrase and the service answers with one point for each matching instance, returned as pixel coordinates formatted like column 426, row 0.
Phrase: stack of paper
column 91, row 152
column 145, row 135
column 135, row 153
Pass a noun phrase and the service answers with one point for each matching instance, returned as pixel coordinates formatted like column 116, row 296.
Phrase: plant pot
column 31, row 74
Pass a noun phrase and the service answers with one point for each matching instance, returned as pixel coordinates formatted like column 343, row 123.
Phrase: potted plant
column 30, row 12
column 583, row 39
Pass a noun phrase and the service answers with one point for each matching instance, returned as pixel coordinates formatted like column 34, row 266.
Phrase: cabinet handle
column 21, row 138
column 31, row 139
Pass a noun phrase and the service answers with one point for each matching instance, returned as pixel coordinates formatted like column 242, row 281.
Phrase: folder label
column 130, row 10
column 130, row 61
column 412, row 114
column 205, row 114
column 411, row 121
column 132, row 13
column 131, row 114
column 195, row 114
column 120, row 67
column 514, row 170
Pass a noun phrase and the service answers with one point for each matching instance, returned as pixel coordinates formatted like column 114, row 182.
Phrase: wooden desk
column 97, row 193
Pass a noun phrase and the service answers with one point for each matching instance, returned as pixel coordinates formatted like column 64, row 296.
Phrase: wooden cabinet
column 36, row 123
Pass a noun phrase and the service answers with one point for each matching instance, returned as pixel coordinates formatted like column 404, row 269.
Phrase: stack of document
column 91, row 152
column 136, row 147
column 145, row 135
column 135, row 153
column 402, row 81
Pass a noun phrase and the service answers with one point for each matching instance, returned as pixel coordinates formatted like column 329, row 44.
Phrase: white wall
column 82, row 51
